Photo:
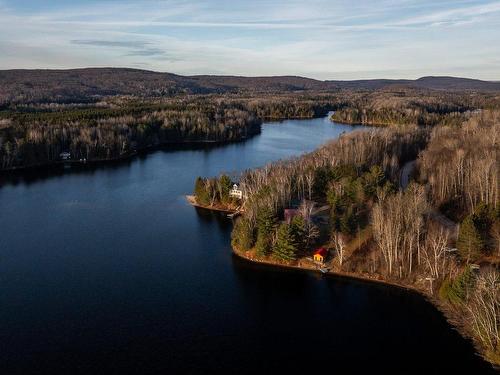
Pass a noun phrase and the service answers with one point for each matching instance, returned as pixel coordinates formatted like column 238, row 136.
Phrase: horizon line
column 245, row 76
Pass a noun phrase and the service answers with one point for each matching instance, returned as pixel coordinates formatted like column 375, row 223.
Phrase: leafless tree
column 484, row 310
column 397, row 225
column 435, row 252
column 339, row 245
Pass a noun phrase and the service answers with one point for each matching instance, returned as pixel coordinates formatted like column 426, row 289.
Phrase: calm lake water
column 109, row 270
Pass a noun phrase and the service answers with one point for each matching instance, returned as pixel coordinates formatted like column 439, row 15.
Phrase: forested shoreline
column 115, row 127
column 347, row 198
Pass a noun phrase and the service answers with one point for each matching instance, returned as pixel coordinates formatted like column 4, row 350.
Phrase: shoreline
column 192, row 201
column 148, row 149
column 369, row 123
column 343, row 274
column 128, row 156
column 449, row 315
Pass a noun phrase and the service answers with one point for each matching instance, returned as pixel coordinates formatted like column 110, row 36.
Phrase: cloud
column 111, row 43
column 135, row 48
column 147, row 52
column 319, row 38
column 453, row 16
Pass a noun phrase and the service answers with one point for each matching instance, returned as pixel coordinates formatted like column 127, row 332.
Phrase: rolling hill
column 27, row 86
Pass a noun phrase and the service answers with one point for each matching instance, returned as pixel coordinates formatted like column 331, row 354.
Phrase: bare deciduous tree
column 435, row 252
column 484, row 310
column 339, row 245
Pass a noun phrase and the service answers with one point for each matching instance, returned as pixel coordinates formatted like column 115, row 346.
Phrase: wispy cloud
column 319, row 38
column 112, row 43
column 453, row 16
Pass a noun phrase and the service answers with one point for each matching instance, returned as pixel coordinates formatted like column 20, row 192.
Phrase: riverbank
column 452, row 316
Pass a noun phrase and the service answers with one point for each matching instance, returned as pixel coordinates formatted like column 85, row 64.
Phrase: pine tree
column 200, row 191
column 298, row 227
column 224, row 186
column 373, row 179
column 285, row 247
column 469, row 242
column 348, row 222
column 266, row 225
column 242, row 236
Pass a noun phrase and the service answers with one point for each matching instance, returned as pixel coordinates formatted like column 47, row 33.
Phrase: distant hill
column 21, row 86
column 454, row 83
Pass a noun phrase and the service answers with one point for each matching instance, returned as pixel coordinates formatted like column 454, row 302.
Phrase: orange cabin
column 320, row 254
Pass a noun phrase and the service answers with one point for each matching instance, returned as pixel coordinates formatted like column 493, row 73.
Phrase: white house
column 65, row 155
column 235, row 192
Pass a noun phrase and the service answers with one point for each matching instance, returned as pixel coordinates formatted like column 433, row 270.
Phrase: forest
column 115, row 127
column 33, row 135
column 439, row 235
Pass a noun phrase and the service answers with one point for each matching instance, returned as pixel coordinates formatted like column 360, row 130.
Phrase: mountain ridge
column 43, row 85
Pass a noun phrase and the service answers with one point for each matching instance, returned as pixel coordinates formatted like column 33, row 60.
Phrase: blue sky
column 315, row 38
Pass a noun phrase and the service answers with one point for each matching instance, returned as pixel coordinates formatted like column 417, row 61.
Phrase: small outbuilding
column 320, row 255
column 65, row 155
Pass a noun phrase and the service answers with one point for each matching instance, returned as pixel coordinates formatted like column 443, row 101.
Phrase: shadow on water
column 357, row 326
column 31, row 175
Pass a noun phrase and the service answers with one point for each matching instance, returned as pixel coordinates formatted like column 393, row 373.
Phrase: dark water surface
column 110, row 271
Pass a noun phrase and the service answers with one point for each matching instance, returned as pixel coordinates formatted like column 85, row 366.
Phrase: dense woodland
column 113, row 127
column 119, row 127
column 413, row 107
column 374, row 227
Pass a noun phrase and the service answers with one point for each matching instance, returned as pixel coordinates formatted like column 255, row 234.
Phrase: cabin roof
column 321, row 251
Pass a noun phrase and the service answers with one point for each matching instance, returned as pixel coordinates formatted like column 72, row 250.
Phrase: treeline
column 115, row 127
column 376, row 228
column 407, row 107
column 39, row 133
column 90, row 134
column 303, row 106
column 397, row 116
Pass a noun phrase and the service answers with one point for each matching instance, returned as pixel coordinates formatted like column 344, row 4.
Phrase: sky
column 335, row 39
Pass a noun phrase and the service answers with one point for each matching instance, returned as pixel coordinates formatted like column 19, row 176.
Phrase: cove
column 110, row 270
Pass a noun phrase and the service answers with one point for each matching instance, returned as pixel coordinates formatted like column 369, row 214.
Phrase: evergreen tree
column 373, row 179
column 483, row 218
column 285, row 247
column 348, row 222
column 224, row 186
column 242, row 236
column 266, row 224
column 455, row 290
column 202, row 196
column 469, row 242
column 298, row 227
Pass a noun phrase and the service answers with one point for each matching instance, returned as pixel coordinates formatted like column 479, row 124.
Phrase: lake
column 109, row 270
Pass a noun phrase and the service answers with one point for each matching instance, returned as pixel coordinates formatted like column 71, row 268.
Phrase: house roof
column 321, row 251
